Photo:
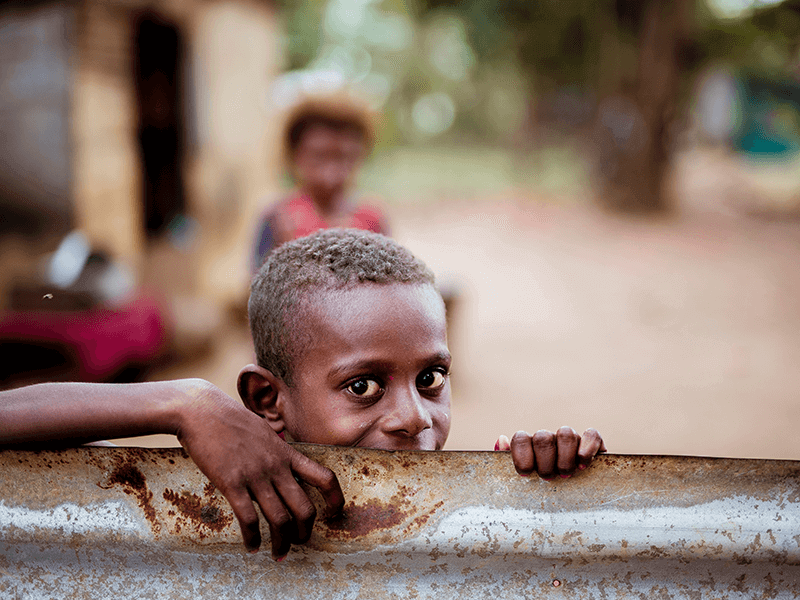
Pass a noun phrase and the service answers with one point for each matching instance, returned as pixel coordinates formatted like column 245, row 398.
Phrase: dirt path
column 679, row 337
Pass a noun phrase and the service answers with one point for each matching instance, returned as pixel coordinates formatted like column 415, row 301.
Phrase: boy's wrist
column 188, row 397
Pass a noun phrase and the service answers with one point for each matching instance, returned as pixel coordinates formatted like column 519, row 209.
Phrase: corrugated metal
column 136, row 523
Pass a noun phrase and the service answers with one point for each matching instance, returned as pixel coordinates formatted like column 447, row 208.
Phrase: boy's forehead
column 383, row 322
column 343, row 306
column 320, row 134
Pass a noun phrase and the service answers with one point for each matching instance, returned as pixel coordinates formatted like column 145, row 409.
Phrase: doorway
column 158, row 66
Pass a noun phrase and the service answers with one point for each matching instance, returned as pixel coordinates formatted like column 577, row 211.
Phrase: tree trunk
column 640, row 117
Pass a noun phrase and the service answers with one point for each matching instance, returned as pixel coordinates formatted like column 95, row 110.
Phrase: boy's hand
column 550, row 454
column 247, row 461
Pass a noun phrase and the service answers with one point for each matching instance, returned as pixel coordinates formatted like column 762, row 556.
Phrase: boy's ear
column 262, row 392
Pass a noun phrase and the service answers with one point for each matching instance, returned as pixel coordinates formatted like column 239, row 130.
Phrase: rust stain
column 133, row 482
column 197, row 512
column 423, row 519
column 357, row 520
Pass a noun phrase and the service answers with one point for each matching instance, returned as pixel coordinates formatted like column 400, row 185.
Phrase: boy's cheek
column 443, row 431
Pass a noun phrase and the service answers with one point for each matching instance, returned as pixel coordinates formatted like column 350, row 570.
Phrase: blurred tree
column 629, row 53
column 473, row 70
column 636, row 182
column 766, row 39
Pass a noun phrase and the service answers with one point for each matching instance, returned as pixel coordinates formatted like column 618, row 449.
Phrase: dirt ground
column 674, row 336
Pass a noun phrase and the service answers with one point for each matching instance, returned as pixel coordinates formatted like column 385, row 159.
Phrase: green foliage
column 513, row 49
column 764, row 40
column 302, row 20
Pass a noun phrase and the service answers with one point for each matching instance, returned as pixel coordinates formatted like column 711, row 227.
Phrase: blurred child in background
column 326, row 140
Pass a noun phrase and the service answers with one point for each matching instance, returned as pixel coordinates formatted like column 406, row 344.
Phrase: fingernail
column 524, row 474
column 280, row 558
column 581, row 467
column 252, row 550
column 565, row 476
column 548, row 478
column 497, row 445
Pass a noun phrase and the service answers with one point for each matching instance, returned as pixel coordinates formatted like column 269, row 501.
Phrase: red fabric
column 103, row 339
column 301, row 215
column 297, row 216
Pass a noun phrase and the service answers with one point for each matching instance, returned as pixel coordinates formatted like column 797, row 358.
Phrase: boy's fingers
column 522, row 453
column 281, row 526
column 544, row 446
column 321, row 478
column 246, row 514
column 302, row 509
column 591, row 444
column 502, row 444
column 567, row 441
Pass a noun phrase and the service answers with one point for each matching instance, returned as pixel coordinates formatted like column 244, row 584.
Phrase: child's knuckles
column 242, row 506
column 313, row 472
column 281, row 522
column 593, row 437
column 327, row 479
column 275, row 461
column 520, row 443
column 251, row 531
column 544, row 440
column 592, row 434
column 567, row 435
column 593, row 445
column 306, row 512
column 520, row 437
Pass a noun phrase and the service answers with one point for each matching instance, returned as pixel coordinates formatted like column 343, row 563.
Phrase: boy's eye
column 432, row 379
column 365, row 387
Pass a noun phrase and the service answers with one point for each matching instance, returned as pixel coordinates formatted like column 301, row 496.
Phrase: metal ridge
column 145, row 523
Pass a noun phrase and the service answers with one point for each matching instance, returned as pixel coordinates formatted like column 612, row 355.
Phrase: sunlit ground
column 671, row 336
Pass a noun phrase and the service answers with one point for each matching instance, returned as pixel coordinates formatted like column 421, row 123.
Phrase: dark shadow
column 28, row 362
column 158, row 62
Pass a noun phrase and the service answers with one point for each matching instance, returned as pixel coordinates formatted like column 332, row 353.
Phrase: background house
column 138, row 122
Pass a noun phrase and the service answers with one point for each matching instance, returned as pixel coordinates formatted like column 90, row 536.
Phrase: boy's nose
column 335, row 174
column 408, row 416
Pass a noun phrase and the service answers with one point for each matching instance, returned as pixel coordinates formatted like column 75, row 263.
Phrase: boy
column 351, row 347
column 326, row 139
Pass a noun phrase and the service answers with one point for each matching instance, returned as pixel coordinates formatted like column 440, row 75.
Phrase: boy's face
column 326, row 160
column 374, row 371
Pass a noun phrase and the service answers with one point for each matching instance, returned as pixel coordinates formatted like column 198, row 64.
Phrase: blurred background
column 609, row 190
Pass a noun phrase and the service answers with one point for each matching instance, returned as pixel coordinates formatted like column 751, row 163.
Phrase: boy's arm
column 235, row 448
column 549, row 454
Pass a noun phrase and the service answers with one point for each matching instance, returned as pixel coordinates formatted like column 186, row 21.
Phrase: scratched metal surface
column 144, row 523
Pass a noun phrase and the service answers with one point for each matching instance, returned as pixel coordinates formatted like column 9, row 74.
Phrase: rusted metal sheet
column 144, row 523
